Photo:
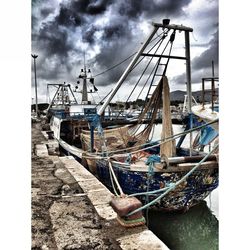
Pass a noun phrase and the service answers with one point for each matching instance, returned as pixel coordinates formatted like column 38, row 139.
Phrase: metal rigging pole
column 34, row 57
column 156, row 26
column 189, row 89
column 83, row 75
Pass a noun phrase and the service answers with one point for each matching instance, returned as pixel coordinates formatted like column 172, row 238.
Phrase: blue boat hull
column 196, row 187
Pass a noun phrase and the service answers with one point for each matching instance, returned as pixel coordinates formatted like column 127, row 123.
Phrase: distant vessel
column 67, row 116
column 208, row 111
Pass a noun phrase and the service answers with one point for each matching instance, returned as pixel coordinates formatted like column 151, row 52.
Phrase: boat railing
column 65, row 115
column 212, row 91
column 82, row 115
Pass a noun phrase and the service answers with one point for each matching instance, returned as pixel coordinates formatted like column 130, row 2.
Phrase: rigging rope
column 146, row 81
column 112, row 183
column 114, row 176
column 145, row 68
column 165, row 69
column 116, row 65
column 166, row 139
column 158, row 62
column 103, row 98
column 161, row 40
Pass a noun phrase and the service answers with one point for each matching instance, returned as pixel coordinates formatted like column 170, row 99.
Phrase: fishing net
column 129, row 135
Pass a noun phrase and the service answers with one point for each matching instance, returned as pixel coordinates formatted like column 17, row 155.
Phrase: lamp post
column 34, row 57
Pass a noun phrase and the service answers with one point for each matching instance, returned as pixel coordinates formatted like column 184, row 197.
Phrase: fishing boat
column 208, row 111
column 161, row 174
column 67, row 116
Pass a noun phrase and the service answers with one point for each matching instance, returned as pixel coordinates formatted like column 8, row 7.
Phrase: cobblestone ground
column 62, row 216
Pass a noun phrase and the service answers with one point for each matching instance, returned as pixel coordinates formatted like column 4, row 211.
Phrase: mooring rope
column 150, row 162
column 115, row 179
column 112, row 183
column 172, row 186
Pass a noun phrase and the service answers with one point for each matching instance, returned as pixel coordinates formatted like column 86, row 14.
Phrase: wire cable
column 161, row 40
column 116, row 65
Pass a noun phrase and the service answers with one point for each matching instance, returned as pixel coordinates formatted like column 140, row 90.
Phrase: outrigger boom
column 172, row 26
column 156, row 26
column 126, row 72
column 165, row 25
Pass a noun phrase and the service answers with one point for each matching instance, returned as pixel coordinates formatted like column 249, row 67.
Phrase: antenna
column 83, row 75
column 84, row 62
column 213, row 68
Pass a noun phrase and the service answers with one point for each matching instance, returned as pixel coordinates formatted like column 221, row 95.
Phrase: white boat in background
column 209, row 111
column 207, row 114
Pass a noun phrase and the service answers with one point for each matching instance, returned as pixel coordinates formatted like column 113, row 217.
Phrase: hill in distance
column 178, row 95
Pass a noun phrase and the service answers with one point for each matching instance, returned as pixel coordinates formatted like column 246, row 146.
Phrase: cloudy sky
column 109, row 31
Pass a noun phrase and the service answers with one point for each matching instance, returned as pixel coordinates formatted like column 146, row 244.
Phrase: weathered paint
column 196, row 187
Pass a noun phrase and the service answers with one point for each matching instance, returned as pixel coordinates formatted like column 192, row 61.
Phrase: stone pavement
column 68, row 211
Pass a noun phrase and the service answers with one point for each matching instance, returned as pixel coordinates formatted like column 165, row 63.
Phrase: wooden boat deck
column 140, row 166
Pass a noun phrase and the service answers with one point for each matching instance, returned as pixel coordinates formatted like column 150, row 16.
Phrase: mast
column 189, row 89
column 212, row 68
column 213, row 87
column 83, row 75
column 62, row 93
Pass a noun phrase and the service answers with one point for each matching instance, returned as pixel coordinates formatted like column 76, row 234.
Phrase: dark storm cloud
column 54, row 46
column 34, row 21
column 202, row 64
column 56, row 39
column 98, row 7
column 209, row 55
column 117, row 42
column 113, row 32
column 68, row 17
column 46, row 11
column 88, row 36
column 90, row 7
column 53, row 39
column 134, row 9
column 121, row 37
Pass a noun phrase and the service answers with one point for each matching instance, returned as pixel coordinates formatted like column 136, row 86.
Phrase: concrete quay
column 70, row 206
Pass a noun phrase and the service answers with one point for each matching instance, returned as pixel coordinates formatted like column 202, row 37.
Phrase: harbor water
column 197, row 229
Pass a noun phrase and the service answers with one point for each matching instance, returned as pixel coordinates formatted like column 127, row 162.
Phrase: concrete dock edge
column 100, row 196
column 70, row 206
